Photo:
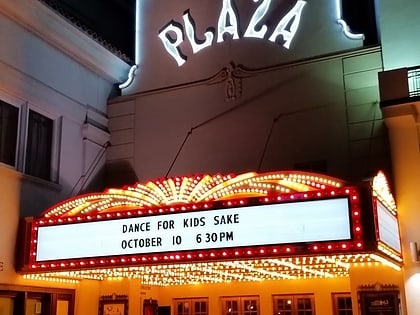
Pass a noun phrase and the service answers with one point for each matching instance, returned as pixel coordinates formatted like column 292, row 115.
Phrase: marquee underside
column 252, row 270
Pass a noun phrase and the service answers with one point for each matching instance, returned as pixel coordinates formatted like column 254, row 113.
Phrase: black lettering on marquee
column 166, row 225
column 194, row 222
column 136, row 227
column 226, row 219
column 142, row 242
column 214, row 237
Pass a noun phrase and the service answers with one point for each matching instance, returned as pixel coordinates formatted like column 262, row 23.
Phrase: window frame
column 241, row 301
column 17, row 134
column 336, row 296
column 294, row 310
column 22, row 137
column 191, row 307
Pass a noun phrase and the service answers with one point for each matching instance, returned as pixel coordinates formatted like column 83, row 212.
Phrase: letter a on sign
column 228, row 23
column 288, row 25
column 256, row 18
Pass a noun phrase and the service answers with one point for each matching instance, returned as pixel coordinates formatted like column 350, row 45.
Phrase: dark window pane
column 39, row 146
column 9, row 117
column 285, row 304
column 234, row 305
column 199, row 307
column 344, row 306
column 304, row 303
column 179, row 307
column 348, row 302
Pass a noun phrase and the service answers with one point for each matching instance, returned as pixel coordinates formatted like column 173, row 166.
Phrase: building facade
column 218, row 87
column 250, row 91
column 55, row 82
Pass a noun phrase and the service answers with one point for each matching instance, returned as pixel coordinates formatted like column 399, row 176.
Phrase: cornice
column 59, row 33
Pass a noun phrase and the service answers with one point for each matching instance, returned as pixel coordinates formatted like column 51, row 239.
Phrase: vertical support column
column 404, row 141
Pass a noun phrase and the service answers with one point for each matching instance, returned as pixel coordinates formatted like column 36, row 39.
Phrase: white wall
column 64, row 85
column 399, row 24
column 42, row 76
column 32, row 56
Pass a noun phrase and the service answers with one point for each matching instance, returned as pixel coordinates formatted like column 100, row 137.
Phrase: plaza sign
column 172, row 35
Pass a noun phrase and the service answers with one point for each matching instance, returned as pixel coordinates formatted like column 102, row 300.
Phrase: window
column 22, row 300
column 240, row 305
column 294, row 304
column 195, row 306
column 342, row 304
column 39, row 146
column 9, row 117
column 28, row 141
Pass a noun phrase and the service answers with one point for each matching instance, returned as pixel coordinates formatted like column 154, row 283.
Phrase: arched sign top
column 381, row 189
column 192, row 190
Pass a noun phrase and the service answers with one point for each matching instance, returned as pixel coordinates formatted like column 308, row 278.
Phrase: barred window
column 294, row 304
column 39, row 146
column 342, row 304
column 29, row 141
column 9, row 119
column 240, row 305
column 194, row 306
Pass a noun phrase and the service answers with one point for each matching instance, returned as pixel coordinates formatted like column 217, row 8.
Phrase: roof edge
column 54, row 29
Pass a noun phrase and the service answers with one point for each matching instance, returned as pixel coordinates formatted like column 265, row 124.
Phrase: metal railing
column 413, row 76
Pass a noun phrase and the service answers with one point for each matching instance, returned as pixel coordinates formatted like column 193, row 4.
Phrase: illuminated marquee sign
column 386, row 218
column 172, row 35
column 297, row 222
column 388, row 231
column 200, row 218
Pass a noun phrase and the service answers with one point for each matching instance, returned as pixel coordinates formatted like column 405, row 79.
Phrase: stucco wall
column 39, row 76
column 325, row 110
column 399, row 24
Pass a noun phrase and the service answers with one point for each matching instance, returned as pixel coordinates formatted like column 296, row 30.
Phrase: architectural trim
column 37, row 18
column 240, row 71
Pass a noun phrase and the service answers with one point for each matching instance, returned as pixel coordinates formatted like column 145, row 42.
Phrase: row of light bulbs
column 191, row 189
column 292, row 268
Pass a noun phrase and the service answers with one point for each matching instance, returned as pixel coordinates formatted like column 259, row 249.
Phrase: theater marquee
column 269, row 224
column 302, row 224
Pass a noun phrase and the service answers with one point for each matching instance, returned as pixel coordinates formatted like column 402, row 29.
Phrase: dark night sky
column 114, row 20
column 360, row 14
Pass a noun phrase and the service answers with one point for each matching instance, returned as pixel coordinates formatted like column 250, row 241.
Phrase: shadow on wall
column 95, row 184
column 118, row 174
column 37, row 195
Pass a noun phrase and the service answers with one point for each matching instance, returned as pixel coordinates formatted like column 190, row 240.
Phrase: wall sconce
column 414, row 252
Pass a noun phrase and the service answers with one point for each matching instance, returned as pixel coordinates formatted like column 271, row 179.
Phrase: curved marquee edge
column 192, row 189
